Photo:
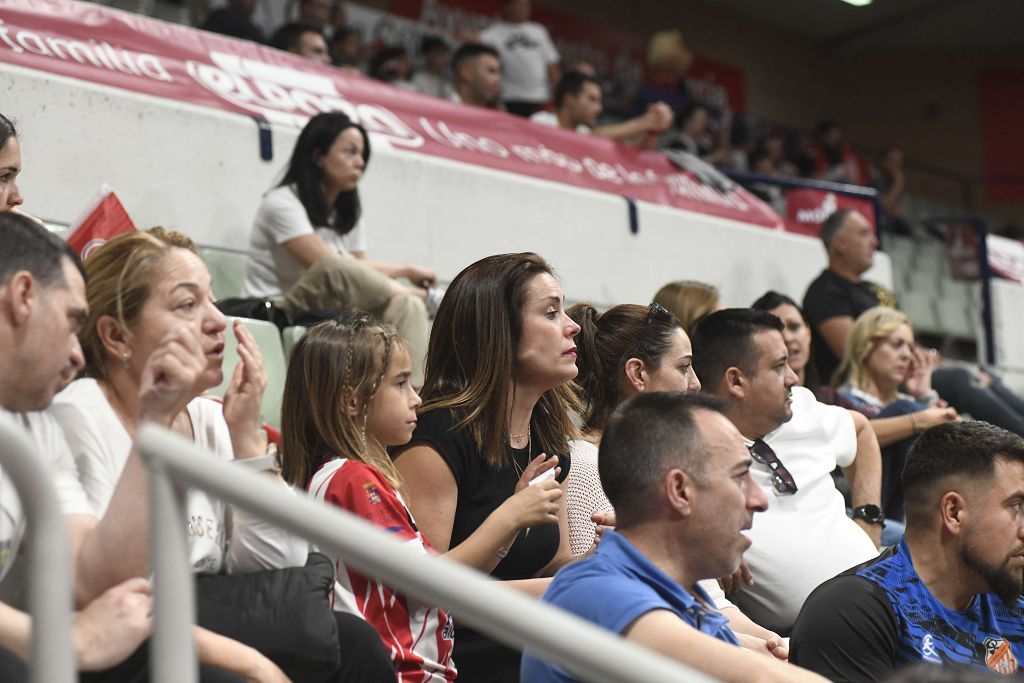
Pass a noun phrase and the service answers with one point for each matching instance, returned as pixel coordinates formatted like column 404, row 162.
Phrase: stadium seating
column 269, row 340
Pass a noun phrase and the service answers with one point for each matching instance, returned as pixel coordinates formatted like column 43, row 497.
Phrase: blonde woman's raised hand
column 172, row 376
column 244, row 396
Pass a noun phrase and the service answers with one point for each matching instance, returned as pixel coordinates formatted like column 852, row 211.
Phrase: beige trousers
column 340, row 281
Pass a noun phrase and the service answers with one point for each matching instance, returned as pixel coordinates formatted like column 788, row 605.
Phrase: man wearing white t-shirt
column 805, row 537
column 42, row 303
column 528, row 57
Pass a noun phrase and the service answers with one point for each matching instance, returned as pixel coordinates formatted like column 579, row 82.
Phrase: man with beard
column 950, row 592
column 805, row 537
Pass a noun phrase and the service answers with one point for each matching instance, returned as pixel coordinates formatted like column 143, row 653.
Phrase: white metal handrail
column 52, row 657
column 589, row 652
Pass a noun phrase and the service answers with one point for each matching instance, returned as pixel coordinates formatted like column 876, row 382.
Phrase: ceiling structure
column 992, row 26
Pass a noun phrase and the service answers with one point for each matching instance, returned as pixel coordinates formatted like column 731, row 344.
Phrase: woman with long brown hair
column 496, row 405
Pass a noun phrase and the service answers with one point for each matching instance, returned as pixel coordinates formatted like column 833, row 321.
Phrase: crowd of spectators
column 666, row 471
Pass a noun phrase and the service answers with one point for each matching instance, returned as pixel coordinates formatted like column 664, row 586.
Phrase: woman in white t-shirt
column 623, row 352
column 151, row 314
column 307, row 250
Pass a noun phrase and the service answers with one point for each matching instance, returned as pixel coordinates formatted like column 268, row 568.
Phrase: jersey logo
column 372, row 494
column 928, row 650
column 1000, row 657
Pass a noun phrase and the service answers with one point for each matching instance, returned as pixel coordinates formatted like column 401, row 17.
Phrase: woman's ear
column 634, row 374
column 115, row 339
column 318, row 159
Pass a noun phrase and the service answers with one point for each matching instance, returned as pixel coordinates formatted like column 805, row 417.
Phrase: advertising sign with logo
column 123, row 50
column 807, row 207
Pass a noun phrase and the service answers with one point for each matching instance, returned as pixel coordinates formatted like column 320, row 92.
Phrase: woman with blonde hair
column 888, row 379
column 689, row 301
column 496, row 403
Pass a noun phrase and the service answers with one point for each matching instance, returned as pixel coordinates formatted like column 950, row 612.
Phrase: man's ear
column 21, row 296
column 680, row 489
column 736, row 383
column 115, row 339
column 953, row 512
column 634, row 373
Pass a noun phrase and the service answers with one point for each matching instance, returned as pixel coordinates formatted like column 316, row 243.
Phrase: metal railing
column 589, row 652
column 52, row 658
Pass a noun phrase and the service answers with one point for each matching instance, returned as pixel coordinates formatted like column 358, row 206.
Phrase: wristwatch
column 872, row 514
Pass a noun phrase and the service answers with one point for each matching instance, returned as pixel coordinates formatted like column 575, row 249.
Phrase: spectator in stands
column 528, row 57
column 432, row 77
column 680, row 479
column 316, row 13
column 235, row 19
column 625, row 351
column 305, row 40
column 307, row 250
column 690, row 134
column 830, row 158
column 497, row 412
column 835, row 299
column 950, row 593
column 668, row 61
column 346, row 50
column 10, row 166
column 689, row 301
column 42, row 304
column 805, row 536
column 761, row 163
column 391, row 65
column 774, row 145
column 890, row 180
column 578, row 106
column 152, row 320
column 477, row 70
column 880, row 358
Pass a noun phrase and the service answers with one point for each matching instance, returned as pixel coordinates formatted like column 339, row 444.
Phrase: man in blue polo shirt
column 950, row 593
column 678, row 474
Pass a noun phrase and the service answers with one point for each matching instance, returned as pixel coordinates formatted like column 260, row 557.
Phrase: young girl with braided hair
column 347, row 398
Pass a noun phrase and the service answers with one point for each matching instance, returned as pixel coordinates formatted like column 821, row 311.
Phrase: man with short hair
column 837, row 296
column 678, row 475
column 432, row 76
column 303, row 39
column 805, row 536
column 950, row 592
column 579, row 102
column 528, row 56
column 477, row 70
column 42, row 304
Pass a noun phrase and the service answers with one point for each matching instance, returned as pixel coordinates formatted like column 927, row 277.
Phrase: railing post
column 52, row 658
column 173, row 653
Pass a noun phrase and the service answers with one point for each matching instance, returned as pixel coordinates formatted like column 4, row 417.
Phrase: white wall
column 198, row 170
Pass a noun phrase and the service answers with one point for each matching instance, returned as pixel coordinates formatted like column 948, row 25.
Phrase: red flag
column 103, row 220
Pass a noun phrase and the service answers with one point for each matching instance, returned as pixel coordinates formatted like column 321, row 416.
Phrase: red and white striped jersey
column 420, row 638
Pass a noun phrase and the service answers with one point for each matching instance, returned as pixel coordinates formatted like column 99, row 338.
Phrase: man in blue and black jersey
column 950, row 592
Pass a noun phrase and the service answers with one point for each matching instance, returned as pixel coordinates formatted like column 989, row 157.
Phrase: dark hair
column 686, row 112
column 316, row 138
column 289, row 36
column 952, row 450
column 468, row 51
column 572, row 83
column 471, row 358
column 725, row 339
column 604, row 344
column 7, row 130
column 380, row 67
column 771, row 300
column 429, row 43
column 31, row 247
column 831, row 225
column 825, row 127
column 645, row 437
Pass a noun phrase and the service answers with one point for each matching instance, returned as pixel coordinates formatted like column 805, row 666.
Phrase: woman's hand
column 919, row 379
column 773, row 647
column 929, row 417
column 605, row 520
column 244, row 397
column 535, row 504
column 172, row 376
column 741, row 576
column 113, row 625
column 420, row 276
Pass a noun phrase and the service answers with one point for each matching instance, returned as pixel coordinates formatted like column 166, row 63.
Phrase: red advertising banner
column 964, row 252
column 807, row 207
column 144, row 55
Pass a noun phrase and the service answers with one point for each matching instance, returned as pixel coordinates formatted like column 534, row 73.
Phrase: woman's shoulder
column 80, row 404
